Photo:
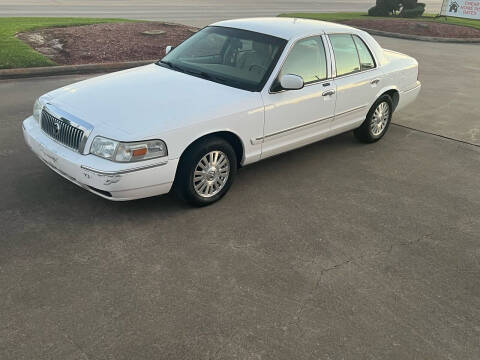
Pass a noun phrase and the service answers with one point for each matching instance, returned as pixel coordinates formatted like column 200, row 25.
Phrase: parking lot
column 192, row 12
column 338, row 250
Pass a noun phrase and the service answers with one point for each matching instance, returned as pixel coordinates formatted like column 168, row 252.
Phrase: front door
column 297, row 117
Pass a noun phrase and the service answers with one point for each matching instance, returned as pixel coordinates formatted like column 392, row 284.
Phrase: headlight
column 37, row 110
column 128, row 152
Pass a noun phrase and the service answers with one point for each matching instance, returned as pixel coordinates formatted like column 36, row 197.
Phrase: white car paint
column 153, row 102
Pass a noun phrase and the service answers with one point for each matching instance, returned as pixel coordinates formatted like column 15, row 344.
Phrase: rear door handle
column 328, row 93
column 375, row 82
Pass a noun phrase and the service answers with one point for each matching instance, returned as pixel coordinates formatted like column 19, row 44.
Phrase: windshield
column 239, row 58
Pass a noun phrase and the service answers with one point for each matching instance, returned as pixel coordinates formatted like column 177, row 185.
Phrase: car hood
column 148, row 100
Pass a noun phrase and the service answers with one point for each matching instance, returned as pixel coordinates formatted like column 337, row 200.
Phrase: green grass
column 14, row 53
column 334, row 17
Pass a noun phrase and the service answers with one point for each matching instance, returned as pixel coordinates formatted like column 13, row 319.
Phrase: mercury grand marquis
column 234, row 93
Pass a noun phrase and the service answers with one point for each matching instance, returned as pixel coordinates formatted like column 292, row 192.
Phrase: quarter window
column 307, row 59
column 346, row 55
column 366, row 58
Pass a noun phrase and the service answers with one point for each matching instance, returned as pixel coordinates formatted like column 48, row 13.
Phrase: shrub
column 393, row 5
column 409, row 4
column 377, row 11
column 384, row 8
column 413, row 12
column 409, row 8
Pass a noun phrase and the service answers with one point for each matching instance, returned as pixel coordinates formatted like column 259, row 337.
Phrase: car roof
column 286, row 28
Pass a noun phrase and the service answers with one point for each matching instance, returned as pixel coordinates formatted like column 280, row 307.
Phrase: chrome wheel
column 380, row 118
column 211, row 174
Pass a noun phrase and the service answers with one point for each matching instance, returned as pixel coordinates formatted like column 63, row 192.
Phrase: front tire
column 206, row 171
column 377, row 121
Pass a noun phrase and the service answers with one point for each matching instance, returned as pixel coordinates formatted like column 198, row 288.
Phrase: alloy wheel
column 211, row 174
column 380, row 118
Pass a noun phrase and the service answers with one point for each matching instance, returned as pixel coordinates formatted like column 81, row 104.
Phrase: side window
column 366, row 58
column 307, row 59
column 346, row 56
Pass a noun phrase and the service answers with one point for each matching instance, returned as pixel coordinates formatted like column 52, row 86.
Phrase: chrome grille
column 61, row 131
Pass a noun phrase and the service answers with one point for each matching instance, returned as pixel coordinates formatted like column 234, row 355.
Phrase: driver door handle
column 328, row 92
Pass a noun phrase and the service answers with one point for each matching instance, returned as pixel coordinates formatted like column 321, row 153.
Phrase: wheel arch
column 393, row 93
column 227, row 135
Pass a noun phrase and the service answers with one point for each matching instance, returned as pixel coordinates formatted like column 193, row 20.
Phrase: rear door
column 357, row 80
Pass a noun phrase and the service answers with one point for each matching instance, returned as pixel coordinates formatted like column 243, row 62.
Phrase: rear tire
column 377, row 121
column 206, row 171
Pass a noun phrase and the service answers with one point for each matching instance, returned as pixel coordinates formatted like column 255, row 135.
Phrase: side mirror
column 168, row 49
column 291, row 82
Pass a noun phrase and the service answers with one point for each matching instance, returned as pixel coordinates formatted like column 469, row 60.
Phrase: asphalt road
column 193, row 12
column 338, row 250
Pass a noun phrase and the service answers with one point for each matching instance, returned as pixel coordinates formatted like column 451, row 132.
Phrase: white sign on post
column 461, row 8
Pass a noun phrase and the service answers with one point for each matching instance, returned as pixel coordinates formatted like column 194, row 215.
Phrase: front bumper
column 110, row 180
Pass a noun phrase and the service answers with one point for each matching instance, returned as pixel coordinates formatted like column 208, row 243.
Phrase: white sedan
column 234, row 93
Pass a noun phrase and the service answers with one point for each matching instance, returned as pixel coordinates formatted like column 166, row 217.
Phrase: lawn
column 16, row 54
column 357, row 15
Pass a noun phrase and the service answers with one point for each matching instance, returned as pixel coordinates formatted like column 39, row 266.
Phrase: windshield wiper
column 201, row 74
column 208, row 76
column 171, row 65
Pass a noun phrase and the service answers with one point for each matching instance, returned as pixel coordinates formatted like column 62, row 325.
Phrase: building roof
column 283, row 27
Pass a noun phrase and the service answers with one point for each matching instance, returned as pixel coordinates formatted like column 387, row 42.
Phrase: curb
column 70, row 69
column 421, row 38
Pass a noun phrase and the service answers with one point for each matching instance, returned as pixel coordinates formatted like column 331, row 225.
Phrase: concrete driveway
column 338, row 250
